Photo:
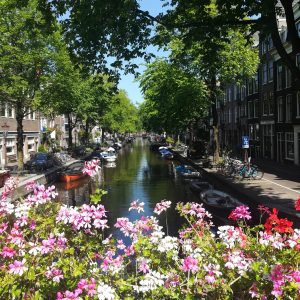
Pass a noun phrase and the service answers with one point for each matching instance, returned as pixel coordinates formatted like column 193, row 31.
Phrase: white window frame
column 290, row 140
column 279, row 71
column 280, row 110
column 288, row 77
column 288, row 108
column 270, row 70
column 265, row 73
column 298, row 107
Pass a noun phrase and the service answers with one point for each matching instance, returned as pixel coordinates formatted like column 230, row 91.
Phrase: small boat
column 109, row 155
column 165, row 153
column 197, row 186
column 72, row 172
column 219, row 199
column 187, row 172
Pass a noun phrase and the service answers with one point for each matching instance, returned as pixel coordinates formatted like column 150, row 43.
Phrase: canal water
column 138, row 174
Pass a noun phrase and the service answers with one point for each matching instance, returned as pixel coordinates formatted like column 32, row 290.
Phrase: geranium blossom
column 92, row 167
column 18, row 267
column 105, row 292
column 139, row 206
column 240, row 213
column 190, row 264
column 297, row 204
column 162, row 206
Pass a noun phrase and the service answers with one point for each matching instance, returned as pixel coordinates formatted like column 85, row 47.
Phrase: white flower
column 168, row 244
column 151, row 281
column 105, row 292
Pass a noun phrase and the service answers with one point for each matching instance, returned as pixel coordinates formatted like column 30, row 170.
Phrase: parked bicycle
column 250, row 171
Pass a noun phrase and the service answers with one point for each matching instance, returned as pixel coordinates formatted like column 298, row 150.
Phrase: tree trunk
column 86, row 131
column 191, row 135
column 20, row 132
column 215, row 125
column 102, row 136
column 70, row 141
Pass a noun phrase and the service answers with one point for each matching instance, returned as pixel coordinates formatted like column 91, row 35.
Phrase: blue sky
column 128, row 82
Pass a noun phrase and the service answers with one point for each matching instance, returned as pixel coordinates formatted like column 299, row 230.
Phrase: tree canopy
column 173, row 98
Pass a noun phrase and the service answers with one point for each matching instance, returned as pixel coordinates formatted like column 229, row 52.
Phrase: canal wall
column 48, row 177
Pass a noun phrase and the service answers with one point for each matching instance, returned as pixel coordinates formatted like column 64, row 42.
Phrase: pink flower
column 172, row 280
column 162, row 206
column 30, row 185
column 18, row 267
column 190, row 264
column 139, row 206
column 54, row 273
column 91, row 168
column 143, row 266
column 10, row 185
column 240, row 213
column 8, row 252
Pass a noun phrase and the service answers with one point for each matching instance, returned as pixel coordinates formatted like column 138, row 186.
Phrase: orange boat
column 72, row 173
column 69, row 177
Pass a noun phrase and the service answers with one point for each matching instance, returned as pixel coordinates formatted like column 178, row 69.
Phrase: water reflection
column 138, row 174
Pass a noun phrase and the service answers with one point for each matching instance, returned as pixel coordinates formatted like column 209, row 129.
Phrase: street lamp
column 5, row 128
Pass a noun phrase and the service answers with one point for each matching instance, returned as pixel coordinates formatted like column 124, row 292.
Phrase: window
column 250, row 109
column 3, row 109
column 10, row 143
column 30, row 143
column 271, row 103
column 270, row 70
column 256, row 108
column 288, row 111
column 298, row 105
column 280, row 109
column 298, row 60
column 250, row 88
column 279, row 77
column 289, row 145
column 229, row 116
column 265, row 73
column 236, row 116
column 265, row 104
column 9, row 111
column 288, row 77
column 255, row 83
column 243, row 92
column 270, row 41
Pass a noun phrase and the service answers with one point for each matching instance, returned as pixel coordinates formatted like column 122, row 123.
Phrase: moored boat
column 198, row 186
column 72, row 173
column 188, row 172
column 219, row 199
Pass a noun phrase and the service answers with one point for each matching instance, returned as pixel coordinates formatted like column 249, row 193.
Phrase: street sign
column 245, row 142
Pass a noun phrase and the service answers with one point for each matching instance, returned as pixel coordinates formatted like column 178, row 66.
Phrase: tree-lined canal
column 138, row 174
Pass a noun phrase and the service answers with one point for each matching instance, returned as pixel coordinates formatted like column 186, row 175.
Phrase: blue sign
column 245, row 142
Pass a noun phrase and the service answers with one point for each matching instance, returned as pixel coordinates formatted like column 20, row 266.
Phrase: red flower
column 297, row 204
column 277, row 224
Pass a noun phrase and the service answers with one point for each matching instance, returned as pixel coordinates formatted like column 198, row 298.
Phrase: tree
column 174, row 99
column 248, row 15
column 122, row 115
column 213, row 60
column 25, row 55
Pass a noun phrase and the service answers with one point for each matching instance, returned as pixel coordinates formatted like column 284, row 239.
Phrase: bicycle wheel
column 257, row 174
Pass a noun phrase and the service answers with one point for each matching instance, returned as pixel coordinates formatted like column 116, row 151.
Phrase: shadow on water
column 138, row 174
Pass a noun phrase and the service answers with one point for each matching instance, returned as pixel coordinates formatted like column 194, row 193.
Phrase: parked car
column 40, row 161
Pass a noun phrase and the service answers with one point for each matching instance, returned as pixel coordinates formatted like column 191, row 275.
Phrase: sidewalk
column 279, row 188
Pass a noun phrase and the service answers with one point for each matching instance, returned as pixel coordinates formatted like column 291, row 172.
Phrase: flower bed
column 50, row 251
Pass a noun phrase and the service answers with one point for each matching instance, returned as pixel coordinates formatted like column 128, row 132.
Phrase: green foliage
column 42, row 148
column 121, row 116
column 173, row 98
column 97, row 196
